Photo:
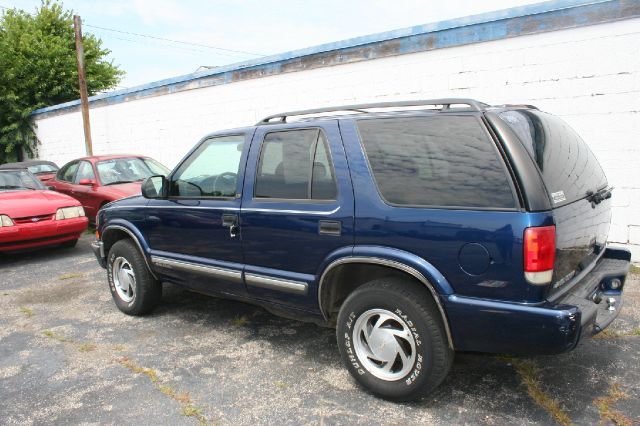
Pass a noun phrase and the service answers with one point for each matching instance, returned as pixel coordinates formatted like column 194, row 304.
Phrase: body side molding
column 214, row 271
column 287, row 286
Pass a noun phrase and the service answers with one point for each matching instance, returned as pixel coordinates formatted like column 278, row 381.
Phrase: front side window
column 211, row 170
column 295, row 165
column 85, row 171
column 440, row 161
column 68, row 172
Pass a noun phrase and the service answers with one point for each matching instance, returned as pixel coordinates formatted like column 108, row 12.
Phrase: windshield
column 42, row 168
column 18, row 180
column 124, row 170
column 569, row 169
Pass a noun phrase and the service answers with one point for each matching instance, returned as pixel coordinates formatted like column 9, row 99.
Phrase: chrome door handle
column 231, row 221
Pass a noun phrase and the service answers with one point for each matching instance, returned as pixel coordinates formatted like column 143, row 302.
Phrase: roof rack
column 446, row 105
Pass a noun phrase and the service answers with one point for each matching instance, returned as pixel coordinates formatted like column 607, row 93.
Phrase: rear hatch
column 576, row 185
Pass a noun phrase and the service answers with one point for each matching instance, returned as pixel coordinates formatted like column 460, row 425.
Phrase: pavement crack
column 605, row 403
column 529, row 373
column 189, row 409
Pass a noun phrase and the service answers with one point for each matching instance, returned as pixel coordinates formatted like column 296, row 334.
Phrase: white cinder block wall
column 588, row 75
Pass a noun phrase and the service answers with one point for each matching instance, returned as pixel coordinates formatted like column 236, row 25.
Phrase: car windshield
column 42, row 168
column 125, row 170
column 18, row 180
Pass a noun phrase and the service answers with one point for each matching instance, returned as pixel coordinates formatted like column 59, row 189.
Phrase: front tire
column 134, row 290
column 392, row 340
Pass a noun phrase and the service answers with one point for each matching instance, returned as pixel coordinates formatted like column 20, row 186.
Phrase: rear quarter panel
column 439, row 236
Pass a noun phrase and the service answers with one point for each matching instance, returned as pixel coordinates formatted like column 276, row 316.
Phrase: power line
column 242, row 52
column 174, row 41
column 131, row 40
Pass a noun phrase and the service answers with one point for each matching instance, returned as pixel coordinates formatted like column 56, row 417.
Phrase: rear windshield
column 439, row 161
column 569, row 169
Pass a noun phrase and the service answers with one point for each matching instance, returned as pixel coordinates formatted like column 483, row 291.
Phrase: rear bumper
column 41, row 234
column 551, row 327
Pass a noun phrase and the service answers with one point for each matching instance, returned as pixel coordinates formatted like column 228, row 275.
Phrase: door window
column 211, row 170
column 68, row 171
column 295, row 164
column 85, row 171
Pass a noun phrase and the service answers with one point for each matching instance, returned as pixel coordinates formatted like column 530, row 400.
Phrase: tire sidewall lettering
column 353, row 360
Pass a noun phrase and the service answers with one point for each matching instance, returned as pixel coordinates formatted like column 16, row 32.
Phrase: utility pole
column 82, row 79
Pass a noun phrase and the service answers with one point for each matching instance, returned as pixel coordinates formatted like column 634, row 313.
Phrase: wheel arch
column 115, row 232
column 367, row 267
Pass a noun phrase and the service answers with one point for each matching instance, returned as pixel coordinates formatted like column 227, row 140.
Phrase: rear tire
column 134, row 290
column 392, row 339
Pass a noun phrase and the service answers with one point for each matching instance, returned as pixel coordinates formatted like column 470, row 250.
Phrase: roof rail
column 526, row 106
column 445, row 102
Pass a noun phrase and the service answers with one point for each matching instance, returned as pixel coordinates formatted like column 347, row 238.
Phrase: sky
column 221, row 32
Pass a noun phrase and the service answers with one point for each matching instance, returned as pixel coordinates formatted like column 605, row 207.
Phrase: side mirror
column 86, row 182
column 155, row 187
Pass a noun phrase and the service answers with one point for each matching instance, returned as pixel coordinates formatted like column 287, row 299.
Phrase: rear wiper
column 599, row 196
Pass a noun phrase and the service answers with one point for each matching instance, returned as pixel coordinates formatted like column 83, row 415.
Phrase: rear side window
column 441, row 161
column 568, row 167
column 295, row 165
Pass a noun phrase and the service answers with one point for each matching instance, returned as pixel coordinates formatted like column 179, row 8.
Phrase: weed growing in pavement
column 280, row 384
column 604, row 404
column 54, row 336
column 529, row 372
column 188, row 409
column 609, row 333
column 87, row 347
column 69, row 276
column 240, row 321
column 28, row 312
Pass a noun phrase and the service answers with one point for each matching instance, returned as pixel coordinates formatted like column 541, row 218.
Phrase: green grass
column 605, row 404
column 54, row 336
column 28, row 312
column 634, row 269
column 240, row 321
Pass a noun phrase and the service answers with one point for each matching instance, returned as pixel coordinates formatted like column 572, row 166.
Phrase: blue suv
column 416, row 229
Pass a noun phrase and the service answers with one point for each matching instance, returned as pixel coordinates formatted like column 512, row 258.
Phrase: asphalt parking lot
column 68, row 356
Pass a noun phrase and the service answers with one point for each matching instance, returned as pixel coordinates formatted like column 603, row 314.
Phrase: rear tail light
column 539, row 254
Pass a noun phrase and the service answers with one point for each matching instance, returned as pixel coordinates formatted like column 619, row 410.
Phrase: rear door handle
column 330, row 227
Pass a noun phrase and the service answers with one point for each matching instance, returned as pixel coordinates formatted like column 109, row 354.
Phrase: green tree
column 38, row 68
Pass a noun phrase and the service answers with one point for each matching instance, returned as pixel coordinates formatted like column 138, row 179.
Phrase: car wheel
column 69, row 244
column 392, row 340
column 134, row 290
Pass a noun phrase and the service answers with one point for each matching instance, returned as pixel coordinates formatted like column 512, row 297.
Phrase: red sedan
column 96, row 181
column 31, row 216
